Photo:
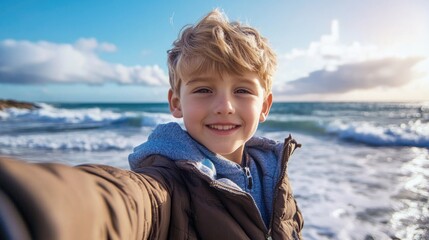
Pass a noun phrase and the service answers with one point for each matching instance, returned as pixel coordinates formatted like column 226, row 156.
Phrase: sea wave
column 48, row 113
column 50, row 118
column 72, row 142
column 412, row 133
column 385, row 130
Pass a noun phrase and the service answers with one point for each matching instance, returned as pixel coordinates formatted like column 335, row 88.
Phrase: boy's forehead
column 205, row 68
column 194, row 71
column 211, row 76
column 201, row 76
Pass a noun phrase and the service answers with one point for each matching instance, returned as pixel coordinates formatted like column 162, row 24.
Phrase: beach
column 362, row 171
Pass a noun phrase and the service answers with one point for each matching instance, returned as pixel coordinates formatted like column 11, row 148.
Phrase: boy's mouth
column 223, row 127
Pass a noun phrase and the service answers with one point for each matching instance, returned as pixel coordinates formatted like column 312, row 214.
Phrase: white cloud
column 388, row 72
column 327, row 53
column 25, row 62
column 330, row 67
column 91, row 44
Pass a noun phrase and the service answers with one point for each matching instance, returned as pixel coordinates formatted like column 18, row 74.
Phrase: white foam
column 153, row 119
column 51, row 115
column 413, row 133
column 76, row 141
column 48, row 113
column 413, row 195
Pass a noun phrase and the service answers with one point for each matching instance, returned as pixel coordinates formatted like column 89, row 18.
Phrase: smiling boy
column 213, row 180
column 221, row 111
column 221, row 76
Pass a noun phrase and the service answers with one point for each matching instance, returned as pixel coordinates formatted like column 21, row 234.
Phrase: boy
column 212, row 181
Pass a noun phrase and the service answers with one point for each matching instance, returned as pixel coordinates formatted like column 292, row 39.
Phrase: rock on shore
column 16, row 104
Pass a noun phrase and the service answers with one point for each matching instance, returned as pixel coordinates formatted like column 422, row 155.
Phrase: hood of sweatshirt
column 171, row 141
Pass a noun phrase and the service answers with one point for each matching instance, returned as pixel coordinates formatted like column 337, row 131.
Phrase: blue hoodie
column 258, row 177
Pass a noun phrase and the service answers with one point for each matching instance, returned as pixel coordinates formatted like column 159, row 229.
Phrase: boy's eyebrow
column 248, row 80
column 199, row 79
column 208, row 79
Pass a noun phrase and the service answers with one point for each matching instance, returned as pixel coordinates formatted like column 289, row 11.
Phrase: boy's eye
column 202, row 90
column 242, row 90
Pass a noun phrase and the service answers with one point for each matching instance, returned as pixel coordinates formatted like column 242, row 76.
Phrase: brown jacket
column 162, row 199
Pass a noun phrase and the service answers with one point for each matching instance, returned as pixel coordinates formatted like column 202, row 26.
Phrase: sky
column 115, row 51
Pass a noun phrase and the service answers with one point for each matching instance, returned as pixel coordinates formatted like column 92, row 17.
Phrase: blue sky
column 115, row 51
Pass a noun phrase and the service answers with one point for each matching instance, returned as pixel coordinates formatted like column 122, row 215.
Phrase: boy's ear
column 266, row 106
column 174, row 103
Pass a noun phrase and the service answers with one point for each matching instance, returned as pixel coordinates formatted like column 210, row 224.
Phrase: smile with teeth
column 222, row 127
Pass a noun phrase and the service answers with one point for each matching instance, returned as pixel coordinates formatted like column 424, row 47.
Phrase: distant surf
column 377, row 124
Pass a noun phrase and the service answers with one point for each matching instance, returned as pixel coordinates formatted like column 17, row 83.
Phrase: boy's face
column 222, row 112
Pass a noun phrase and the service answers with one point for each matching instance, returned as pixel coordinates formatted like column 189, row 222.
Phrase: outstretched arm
column 55, row 201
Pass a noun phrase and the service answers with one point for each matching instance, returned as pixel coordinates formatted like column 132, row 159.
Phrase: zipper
column 231, row 190
column 249, row 178
column 246, row 170
column 287, row 152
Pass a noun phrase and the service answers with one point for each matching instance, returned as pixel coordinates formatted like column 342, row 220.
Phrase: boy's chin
column 232, row 154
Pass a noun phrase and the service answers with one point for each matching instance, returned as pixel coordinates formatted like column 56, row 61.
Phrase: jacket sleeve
column 55, row 201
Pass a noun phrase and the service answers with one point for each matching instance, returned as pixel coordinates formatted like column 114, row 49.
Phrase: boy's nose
column 224, row 105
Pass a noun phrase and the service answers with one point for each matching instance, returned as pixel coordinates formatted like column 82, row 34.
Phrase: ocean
column 362, row 171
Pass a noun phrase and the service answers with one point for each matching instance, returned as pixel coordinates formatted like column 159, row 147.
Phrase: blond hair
column 215, row 44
